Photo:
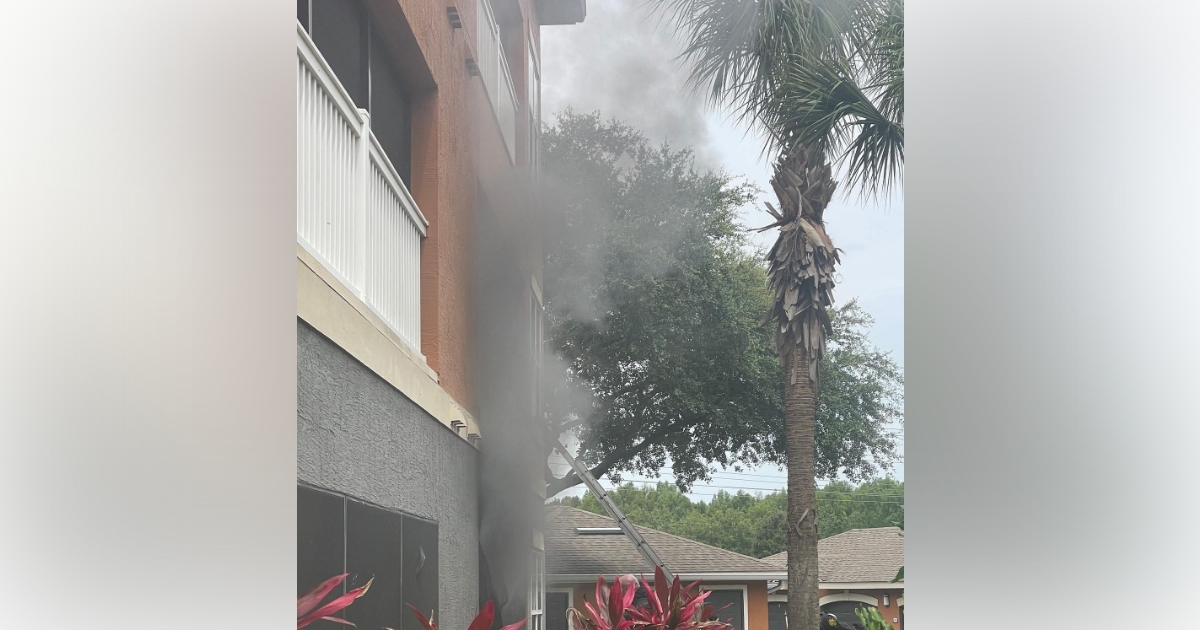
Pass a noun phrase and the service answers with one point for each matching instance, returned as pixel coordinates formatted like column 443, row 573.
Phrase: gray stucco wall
column 358, row 435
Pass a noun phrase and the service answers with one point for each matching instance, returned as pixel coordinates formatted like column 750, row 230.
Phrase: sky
column 622, row 61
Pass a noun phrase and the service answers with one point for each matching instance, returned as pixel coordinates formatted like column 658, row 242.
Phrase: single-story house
column 581, row 545
column 856, row 569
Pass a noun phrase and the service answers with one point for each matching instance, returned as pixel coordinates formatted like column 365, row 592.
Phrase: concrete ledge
column 328, row 306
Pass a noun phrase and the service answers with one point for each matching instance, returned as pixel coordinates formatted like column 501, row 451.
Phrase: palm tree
column 825, row 80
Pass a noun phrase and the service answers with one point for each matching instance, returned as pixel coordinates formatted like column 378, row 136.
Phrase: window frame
column 745, row 598
column 533, row 98
column 569, row 592
column 537, row 344
column 537, row 592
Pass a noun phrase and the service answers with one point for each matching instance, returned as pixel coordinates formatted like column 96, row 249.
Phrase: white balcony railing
column 497, row 79
column 354, row 213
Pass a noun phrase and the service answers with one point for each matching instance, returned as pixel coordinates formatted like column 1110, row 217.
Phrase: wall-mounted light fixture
column 885, row 600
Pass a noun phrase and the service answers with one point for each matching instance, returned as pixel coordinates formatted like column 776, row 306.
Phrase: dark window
column 373, row 547
column 420, row 569
column 391, row 109
column 556, row 611
column 350, row 41
column 339, row 29
column 302, row 14
column 338, row 535
column 320, row 542
column 319, row 538
column 777, row 616
column 730, row 606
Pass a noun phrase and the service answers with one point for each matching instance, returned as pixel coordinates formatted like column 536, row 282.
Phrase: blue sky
column 621, row 61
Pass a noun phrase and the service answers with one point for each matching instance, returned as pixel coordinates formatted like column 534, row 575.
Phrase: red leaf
column 641, row 616
column 614, row 600
column 335, row 605
column 309, row 600
column 514, row 626
column 651, row 595
column 424, row 622
column 661, row 586
column 338, row 620
column 595, row 615
column 601, row 599
column 483, row 621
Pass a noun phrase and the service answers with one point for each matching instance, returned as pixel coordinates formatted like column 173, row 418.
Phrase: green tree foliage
column 752, row 524
column 842, row 506
column 862, row 391
column 654, row 301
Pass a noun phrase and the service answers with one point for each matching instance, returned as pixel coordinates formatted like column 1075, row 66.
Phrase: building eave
column 856, row 586
column 587, row 578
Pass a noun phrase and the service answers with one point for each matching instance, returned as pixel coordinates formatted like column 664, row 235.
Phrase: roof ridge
column 862, row 529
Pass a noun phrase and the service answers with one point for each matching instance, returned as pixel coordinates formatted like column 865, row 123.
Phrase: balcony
column 353, row 212
column 497, row 79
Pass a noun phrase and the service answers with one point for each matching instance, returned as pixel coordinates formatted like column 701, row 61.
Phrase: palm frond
column 734, row 48
column 821, row 106
column 827, row 73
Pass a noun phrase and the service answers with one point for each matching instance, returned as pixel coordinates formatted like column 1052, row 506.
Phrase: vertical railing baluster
column 363, row 181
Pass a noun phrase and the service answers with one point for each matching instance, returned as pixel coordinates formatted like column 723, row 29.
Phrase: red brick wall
column 454, row 147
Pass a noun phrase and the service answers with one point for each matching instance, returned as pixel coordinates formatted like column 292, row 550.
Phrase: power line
column 845, row 496
column 778, row 489
column 723, row 471
column 774, row 489
column 726, row 475
column 838, row 500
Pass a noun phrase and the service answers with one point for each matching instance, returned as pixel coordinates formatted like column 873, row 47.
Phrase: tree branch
column 554, row 486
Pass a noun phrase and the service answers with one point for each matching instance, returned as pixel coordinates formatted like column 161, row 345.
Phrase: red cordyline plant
column 306, row 606
column 611, row 604
column 669, row 606
column 482, row 621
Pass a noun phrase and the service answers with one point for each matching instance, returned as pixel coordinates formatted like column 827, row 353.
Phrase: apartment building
column 419, row 462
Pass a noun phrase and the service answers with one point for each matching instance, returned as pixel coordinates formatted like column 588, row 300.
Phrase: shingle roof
column 859, row 555
column 570, row 553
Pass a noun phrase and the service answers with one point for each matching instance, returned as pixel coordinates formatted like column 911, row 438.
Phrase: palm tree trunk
column 800, row 405
column 801, row 271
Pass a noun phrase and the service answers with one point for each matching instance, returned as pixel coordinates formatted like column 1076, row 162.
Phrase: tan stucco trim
column 329, row 306
column 862, row 586
column 848, row 597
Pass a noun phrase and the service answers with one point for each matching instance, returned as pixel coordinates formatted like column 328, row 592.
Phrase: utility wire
column 844, row 496
column 723, row 474
column 775, row 489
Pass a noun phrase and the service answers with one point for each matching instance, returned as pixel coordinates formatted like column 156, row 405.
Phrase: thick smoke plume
column 623, row 61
